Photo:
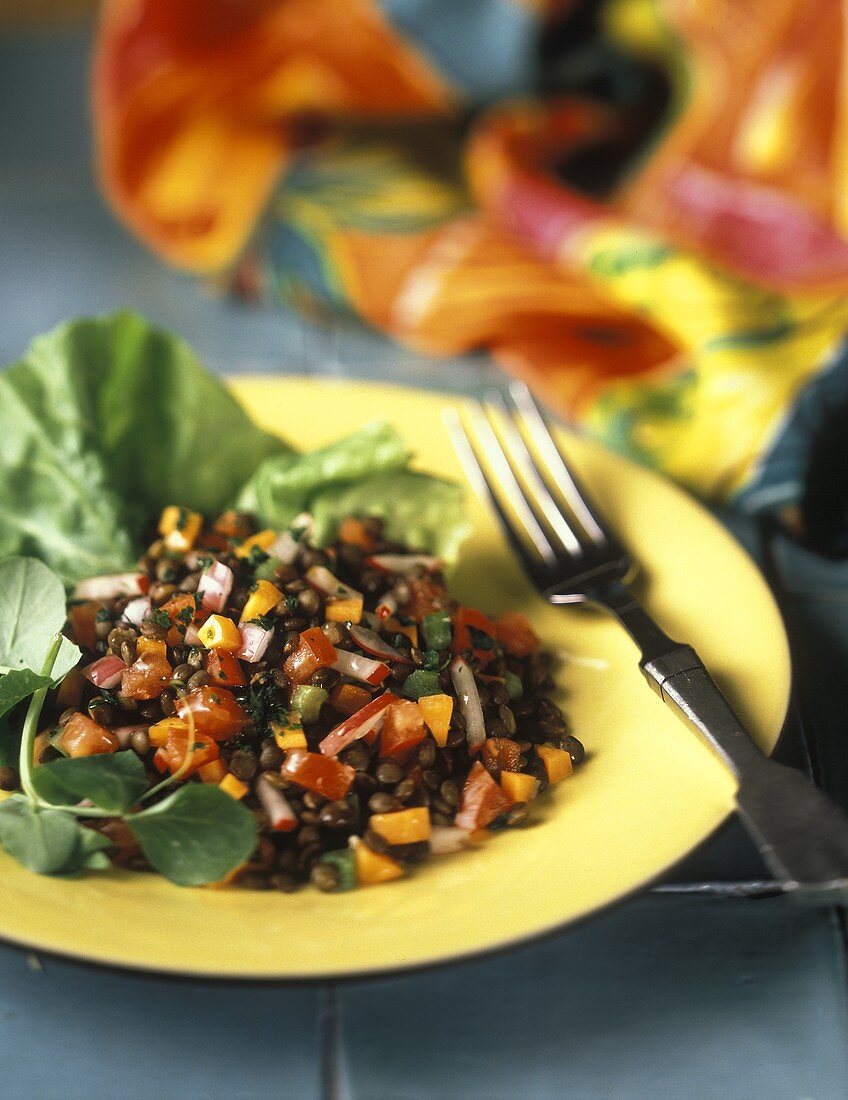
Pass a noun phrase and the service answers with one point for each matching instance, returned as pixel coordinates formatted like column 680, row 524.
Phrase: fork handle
column 801, row 834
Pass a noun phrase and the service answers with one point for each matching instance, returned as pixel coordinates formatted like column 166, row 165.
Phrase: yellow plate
column 648, row 793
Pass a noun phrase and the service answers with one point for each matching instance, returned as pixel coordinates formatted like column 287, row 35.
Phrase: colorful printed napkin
column 639, row 206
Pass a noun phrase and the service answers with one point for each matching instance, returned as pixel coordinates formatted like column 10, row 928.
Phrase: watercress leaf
column 283, row 485
column 89, row 854
column 196, row 835
column 18, row 685
column 67, row 658
column 10, row 744
column 103, row 422
column 113, row 781
column 32, row 611
column 420, row 511
column 44, row 841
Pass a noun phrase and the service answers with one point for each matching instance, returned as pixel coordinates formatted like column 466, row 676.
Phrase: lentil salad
column 364, row 718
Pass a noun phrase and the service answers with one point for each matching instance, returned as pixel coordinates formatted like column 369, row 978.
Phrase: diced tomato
column 319, row 774
column 171, row 755
column 224, row 668
column 354, row 532
column 516, row 634
column 182, row 611
column 83, row 617
column 463, row 642
column 233, row 525
column 482, row 800
column 501, row 755
column 83, row 737
column 147, row 677
column 313, row 651
column 105, row 672
column 427, row 594
column 215, row 712
column 403, row 730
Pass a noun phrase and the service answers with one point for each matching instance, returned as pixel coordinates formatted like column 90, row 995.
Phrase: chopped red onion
column 110, row 586
column 369, row 718
column 136, row 609
column 215, row 586
column 446, row 839
column 387, row 606
column 405, row 564
column 276, row 806
column 360, row 668
column 469, row 703
column 254, row 641
column 323, row 581
column 372, row 643
column 105, row 672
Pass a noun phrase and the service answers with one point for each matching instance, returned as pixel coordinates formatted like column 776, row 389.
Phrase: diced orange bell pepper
column 180, row 527
column 395, row 626
column 81, row 736
column 403, row 730
column 263, row 597
column 171, row 755
column 516, row 634
column 182, row 611
column 313, row 651
column 321, row 774
column 39, row 744
column 558, row 764
column 520, row 787
column 232, row 525
column 500, row 754
column 214, row 710
column 349, row 698
column 482, row 800
column 373, row 868
column 354, row 532
column 344, row 609
column 402, row 826
column 233, row 787
column 150, row 647
column 437, row 711
column 83, row 616
column 223, row 668
column 158, row 733
column 261, row 541
column 147, row 677
column 213, row 772
column 220, row 632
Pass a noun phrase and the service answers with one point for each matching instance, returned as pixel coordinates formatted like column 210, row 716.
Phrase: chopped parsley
column 257, row 556
column 160, row 617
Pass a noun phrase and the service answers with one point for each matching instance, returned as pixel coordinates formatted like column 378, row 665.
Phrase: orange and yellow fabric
column 412, row 163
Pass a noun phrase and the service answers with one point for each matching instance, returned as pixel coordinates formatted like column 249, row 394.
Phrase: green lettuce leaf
column 104, row 422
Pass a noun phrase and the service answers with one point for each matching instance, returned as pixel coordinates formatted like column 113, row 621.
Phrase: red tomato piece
column 482, row 800
column 182, row 611
column 224, row 668
column 83, row 617
column 500, row 754
column 215, row 712
column 171, row 755
column 313, row 651
column 147, row 677
column 319, row 774
column 427, row 594
column 403, row 729
column 516, row 634
column 463, row 642
column 82, row 736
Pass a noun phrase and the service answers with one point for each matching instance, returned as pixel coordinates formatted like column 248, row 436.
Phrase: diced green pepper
column 267, row 570
column 513, row 685
column 422, row 682
column 344, row 862
column 308, row 700
column 438, row 633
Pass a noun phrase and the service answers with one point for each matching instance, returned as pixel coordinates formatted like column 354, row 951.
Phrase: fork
column 572, row 556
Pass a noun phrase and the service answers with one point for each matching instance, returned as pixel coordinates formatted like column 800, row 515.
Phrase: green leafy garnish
column 113, row 781
column 41, row 840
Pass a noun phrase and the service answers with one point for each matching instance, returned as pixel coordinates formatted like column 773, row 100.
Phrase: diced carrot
column 233, row 787
column 146, row 678
column 223, row 668
column 344, row 609
column 354, row 532
column 517, row 635
column 403, row 729
column 558, row 764
column 482, row 800
column 313, row 651
column 373, row 868
column 402, row 826
column 437, row 711
column 321, row 774
column 520, row 787
column 83, row 617
column 213, row 772
column 501, row 754
column 349, row 698
column 214, row 712
column 83, row 737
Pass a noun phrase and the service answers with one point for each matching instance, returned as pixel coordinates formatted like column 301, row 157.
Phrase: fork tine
column 529, row 470
column 475, row 471
column 565, row 480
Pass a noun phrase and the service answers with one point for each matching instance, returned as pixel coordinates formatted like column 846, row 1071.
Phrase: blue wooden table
column 698, row 989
